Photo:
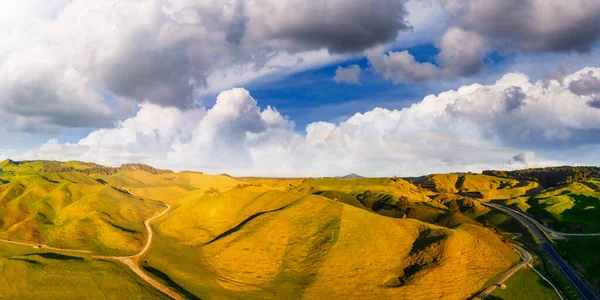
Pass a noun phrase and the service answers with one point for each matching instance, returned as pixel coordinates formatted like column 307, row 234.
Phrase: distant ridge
column 352, row 176
column 50, row 166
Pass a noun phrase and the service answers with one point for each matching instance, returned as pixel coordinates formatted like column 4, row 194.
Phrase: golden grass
column 306, row 246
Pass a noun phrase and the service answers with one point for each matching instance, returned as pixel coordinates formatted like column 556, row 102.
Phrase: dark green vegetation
column 582, row 253
column 552, row 176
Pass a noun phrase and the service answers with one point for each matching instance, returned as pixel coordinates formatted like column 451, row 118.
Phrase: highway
column 537, row 230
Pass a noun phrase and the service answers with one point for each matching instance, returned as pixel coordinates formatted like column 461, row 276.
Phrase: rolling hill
column 573, row 207
column 254, row 243
column 226, row 237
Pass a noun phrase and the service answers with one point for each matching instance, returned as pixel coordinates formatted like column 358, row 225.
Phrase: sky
column 302, row 88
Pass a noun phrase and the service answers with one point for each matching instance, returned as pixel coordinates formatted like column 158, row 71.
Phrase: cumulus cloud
column 350, row 74
column 469, row 129
column 531, row 25
column 478, row 27
column 338, row 25
column 63, row 62
column 525, row 160
column 461, row 53
column 587, row 84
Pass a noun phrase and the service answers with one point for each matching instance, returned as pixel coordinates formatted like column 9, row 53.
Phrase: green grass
column 72, row 210
column 582, row 254
column 525, row 284
column 502, row 221
column 574, row 207
column 29, row 273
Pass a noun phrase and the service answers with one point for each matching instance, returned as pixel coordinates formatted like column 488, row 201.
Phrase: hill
column 46, row 166
column 72, row 210
column 352, row 176
column 253, row 243
column 573, row 207
column 479, row 186
column 551, row 176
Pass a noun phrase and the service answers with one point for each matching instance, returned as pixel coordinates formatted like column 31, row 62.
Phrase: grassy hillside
column 573, row 207
column 29, row 273
column 72, row 210
column 395, row 187
column 254, row 243
column 480, row 186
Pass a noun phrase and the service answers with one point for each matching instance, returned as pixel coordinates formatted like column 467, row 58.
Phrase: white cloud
column 472, row 128
column 461, row 53
column 350, row 74
column 531, row 25
column 477, row 27
column 60, row 61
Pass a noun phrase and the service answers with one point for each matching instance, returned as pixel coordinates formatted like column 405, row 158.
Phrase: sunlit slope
column 29, row 273
column 72, row 210
column 572, row 207
column 396, row 187
column 169, row 186
column 252, row 243
column 480, row 186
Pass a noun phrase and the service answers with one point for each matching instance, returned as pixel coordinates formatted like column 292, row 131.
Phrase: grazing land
column 66, row 225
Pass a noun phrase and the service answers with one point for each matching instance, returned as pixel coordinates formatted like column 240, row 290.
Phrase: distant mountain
column 351, row 176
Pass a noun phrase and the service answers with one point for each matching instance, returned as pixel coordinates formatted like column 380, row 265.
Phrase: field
column 525, row 284
column 582, row 253
column 29, row 273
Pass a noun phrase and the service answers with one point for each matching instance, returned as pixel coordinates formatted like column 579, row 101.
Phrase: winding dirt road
column 127, row 260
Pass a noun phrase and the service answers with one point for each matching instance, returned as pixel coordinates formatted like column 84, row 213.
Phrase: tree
column 453, row 206
column 403, row 203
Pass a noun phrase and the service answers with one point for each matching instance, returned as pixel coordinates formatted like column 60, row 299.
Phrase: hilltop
column 47, row 166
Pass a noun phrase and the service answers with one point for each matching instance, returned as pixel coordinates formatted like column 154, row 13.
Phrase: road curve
column 525, row 260
column 538, row 232
column 128, row 260
column 553, row 233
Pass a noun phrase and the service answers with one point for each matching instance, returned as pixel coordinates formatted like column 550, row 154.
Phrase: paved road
column 525, row 260
column 537, row 231
column 555, row 234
